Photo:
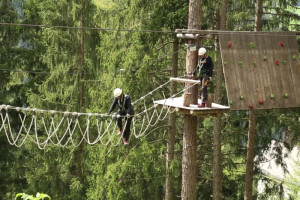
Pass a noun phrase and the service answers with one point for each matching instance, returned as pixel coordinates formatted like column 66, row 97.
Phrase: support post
column 81, row 101
column 189, row 151
column 217, row 145
column 250, row 155
column 172, row 125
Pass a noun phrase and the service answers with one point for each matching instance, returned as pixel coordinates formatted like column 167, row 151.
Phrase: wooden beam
column 183, row 80
column 188, row 36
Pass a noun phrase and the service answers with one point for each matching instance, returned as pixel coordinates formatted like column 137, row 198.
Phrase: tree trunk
column 189, row 151
column 172, row 124
column 217, row 154
column 258, row 15
column 81, row 103
column 189, row 156
column 250, row 155
column 252, row 120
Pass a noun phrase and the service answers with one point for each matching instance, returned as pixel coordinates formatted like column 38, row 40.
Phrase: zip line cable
column 62, row 128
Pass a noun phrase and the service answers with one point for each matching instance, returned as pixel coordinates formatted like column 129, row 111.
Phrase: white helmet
column 201, row 51
column 117, row 92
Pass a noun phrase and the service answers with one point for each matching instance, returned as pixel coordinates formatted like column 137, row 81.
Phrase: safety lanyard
column 200, row 64
column 122, row 101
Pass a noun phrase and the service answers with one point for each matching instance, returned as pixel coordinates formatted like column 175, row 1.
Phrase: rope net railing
column 62, row 128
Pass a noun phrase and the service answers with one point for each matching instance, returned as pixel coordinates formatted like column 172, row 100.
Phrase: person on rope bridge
column 125, row 110
column 205, row 69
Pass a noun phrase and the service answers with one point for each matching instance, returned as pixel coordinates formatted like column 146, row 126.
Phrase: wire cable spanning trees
column 86, row 28
column 62, row 128
column 180, row 31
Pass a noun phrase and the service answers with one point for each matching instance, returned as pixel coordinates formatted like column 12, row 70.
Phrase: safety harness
column 121, row 103
column 200, row 65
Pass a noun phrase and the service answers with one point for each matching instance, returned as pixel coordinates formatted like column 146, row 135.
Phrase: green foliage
column 59, row 70
column 127, row 173
column 291, row 182
column 39, row 196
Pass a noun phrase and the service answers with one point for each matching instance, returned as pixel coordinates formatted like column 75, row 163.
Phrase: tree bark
column 189, row 151
column 258, row 15
column 217, row 154
column 189, row 156
column 172, row 124
column 252, row 120
column 81, row 103
column 250, row 155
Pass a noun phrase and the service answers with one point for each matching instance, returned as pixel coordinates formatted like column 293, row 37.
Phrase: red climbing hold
column 277, row 62
column 229, row 44
column 281, row 44
column 261, row 101
column 251, row 106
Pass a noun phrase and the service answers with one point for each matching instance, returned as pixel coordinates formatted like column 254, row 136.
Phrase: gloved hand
column 127, row 115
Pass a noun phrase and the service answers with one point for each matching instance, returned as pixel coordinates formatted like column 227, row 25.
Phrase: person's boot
column 202, row 105
column 120, row 132
column 126, row 142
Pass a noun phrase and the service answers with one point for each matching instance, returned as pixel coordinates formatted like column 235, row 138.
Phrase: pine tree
column 11, row 53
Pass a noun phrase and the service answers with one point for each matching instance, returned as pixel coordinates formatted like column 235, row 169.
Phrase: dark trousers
column 126, row 131
column 204, row 92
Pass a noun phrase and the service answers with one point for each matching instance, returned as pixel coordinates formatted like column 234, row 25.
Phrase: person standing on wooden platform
column 205, row 69
column 125, row 111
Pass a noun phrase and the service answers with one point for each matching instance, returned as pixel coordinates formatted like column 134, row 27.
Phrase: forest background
column 77, row 69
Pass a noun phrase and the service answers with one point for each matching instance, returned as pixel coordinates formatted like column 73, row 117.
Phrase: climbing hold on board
column 277, row 62
column 254, row 64
column 224, row 63
column 231, row 102
column 294, row 57
column 261, row 101
column 242, row 97
column 240, row 64
column 265, row 58
column 281, row 44
column 272, row 96
column 252, row 45
column 229, row 44
column 284, row 62
column 286, row 95
column 250, row 106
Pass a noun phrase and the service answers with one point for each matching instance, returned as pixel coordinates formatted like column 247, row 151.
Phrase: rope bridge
column 62, row 128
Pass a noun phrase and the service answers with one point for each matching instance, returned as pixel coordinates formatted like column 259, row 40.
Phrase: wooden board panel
column 263, row 68
column 270, row 72
column 294, row 66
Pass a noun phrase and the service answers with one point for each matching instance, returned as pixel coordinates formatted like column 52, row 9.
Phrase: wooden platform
column 177, row 104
